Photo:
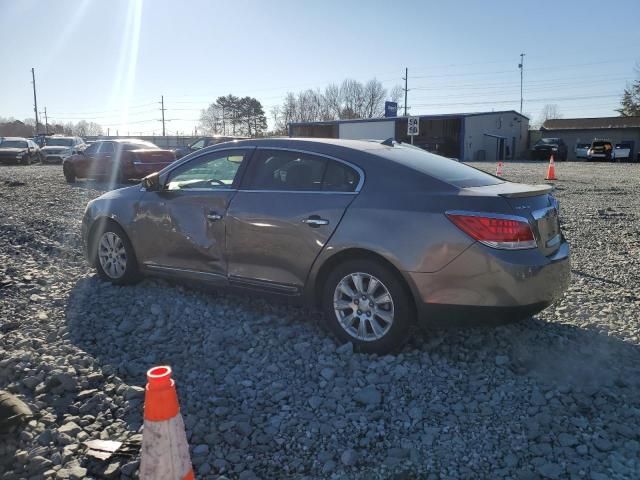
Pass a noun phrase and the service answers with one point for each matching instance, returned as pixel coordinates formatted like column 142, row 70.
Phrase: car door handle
column 214, row 217
column 315, row 221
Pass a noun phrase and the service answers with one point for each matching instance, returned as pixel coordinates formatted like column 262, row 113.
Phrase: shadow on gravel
column 258, row 382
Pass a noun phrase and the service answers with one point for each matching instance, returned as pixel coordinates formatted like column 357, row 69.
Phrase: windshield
column 547, row 141
column 441, row 168
column 59, row 142
column 13, row 144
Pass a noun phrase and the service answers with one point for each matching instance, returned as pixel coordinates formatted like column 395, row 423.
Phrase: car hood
column 14, row 151
column 546, row 145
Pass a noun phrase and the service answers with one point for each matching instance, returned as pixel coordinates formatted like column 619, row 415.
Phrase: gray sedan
column 381, row 236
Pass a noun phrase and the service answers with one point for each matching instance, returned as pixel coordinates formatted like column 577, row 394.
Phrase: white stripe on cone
column 165, row 451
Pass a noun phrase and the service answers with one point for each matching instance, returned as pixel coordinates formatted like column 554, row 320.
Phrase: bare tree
column 374, row 96
column 353, row 99
column 549, row 112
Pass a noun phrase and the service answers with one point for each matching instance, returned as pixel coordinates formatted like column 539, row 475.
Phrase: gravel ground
column 265, row 393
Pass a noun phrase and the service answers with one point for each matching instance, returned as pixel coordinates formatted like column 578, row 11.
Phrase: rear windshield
column 441, row 168
column 59, row 142
column 601, row 144
column 139, row 145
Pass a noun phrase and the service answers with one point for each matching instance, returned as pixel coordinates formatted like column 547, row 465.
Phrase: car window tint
column 340, row 178
column 198, row 144
column 441, row 168
column 107, row 147
column 212, row 171
column 285, row 170
column 93, row 148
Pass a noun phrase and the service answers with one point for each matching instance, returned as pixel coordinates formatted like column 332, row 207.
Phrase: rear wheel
column 365, row 303
column 69, row 173
column 115, row 259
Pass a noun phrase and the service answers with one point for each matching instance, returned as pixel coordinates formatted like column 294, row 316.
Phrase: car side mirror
column 151, row 183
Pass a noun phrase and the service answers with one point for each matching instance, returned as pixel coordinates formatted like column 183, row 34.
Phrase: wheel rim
column 112, row 255
column 363, row 306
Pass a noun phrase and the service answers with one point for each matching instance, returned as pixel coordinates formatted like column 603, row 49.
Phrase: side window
column 213, row 171
column 340, row 178
column 285, row 170
column 198, row 145
column 92, row 149
column 107, row 147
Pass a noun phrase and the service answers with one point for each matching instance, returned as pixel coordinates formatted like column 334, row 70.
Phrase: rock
column 368, row 396
column 345, row 349
column 602, row 444
column 349, row 458
column 502, row 360
column 70, row 428
column 550, row 470
column 315, row 402
column 567, row 440
column 130, row 468
column 201, row 450
column 133, row 392
column 327, row 374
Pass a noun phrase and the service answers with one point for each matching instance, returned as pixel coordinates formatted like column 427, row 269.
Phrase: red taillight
column 496, row 231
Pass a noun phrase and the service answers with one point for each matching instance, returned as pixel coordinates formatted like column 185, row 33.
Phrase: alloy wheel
column 112, row 255
column 363, row 306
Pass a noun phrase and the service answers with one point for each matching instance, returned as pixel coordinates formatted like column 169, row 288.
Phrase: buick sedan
column 381, row 236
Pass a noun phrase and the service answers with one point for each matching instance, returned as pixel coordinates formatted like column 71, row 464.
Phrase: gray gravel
column 265, row 393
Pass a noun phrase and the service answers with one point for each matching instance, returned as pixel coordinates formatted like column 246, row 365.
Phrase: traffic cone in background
column 551, row 171
column 499, row 169
column 165, row 451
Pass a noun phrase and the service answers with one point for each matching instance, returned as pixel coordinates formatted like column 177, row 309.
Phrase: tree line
column 10, row 127
column 351, row 99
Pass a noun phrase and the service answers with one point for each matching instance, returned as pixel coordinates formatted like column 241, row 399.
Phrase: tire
column 69, row 174
column 394, row 321
column 114, row 257
column 27, row 160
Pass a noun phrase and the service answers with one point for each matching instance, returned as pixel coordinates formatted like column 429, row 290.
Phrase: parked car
column 623, row 152
column 600, row 150
column 545, row 147
column 582, row 149
column 203, row 142
column 118, row 160
column 19, row 150
column 378, row 236
column 59, row 147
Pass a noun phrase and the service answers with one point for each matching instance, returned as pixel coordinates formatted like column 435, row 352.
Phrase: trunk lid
column 537, row 205
column 153, row 157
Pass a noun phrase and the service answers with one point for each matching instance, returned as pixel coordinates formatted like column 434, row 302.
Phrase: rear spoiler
column 532, row 191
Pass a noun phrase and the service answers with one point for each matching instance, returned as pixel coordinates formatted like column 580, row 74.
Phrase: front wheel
column 26, row 160
column 365, row 303
column 115, row 259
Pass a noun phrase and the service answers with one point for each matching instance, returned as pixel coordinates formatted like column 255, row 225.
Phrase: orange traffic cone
column 499, row 169
column 165, row 451
column 551, row 171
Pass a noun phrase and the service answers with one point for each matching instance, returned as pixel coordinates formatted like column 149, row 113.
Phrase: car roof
column 16, row 138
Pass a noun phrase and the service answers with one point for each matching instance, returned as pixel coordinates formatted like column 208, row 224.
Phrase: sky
column 111, row 61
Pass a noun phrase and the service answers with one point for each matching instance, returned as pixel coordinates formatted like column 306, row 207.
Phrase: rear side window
column 299, row 171
column 106, row 147
column 441, row 168
column 284, row 170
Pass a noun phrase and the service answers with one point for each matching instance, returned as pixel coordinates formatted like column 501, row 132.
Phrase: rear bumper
column 491, row 284
column 53, row 158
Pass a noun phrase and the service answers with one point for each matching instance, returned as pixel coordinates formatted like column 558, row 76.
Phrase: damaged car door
column 182, row 226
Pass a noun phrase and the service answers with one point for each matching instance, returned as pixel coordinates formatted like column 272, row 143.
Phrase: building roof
column 385, row 119
column 591, row 123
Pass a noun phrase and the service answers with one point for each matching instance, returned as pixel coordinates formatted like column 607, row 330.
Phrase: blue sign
column 390, row 109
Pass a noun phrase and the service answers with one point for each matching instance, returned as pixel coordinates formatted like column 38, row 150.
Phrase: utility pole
column 108, row 132
column 35, row 100
column 162, row 109
column 46, row 121
column 521, row 67
column 406, row 79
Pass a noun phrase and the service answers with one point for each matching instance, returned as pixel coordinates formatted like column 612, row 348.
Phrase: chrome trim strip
column 344, row 162
column 264, row 284
column 325, row 192
column 137, row 162
column 185, row 270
